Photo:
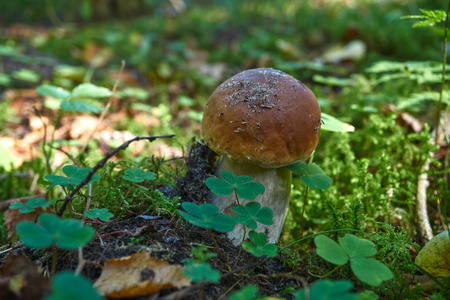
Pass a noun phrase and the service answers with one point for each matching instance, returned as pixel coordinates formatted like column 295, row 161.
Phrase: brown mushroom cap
column 262, row 116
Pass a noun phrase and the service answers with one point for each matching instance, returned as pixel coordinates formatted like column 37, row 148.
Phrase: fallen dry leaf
column 138, row 275
column 20, row 279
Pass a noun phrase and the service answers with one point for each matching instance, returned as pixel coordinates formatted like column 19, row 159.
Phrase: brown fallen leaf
column 138, row 275
column 20, row 279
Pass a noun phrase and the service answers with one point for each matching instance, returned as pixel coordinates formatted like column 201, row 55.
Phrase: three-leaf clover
column 74, row 175
column 138, row 175
column 101, row 213
column 30, row 205
column 245, row 188
column 251, row 213
column 67, row 234
column 312, row 175
column 67, row 285
column 328, row 290
column 358, row 251
column 261, row 246
column 206, row 216
column 200, row 272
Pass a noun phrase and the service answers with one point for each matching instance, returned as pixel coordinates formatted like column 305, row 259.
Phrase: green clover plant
column 312, row 175
column 101, row 213
column 67, row 285
column 138, row 175
column 358, row 252
column 260, row 247
column 327, row 290
column 135, row 176
column 242, row 185
column 74, row 177
column 81, row 99
column 251, row 213
column 246, row 293
column 206, row 216
column 30, row 205
column 197, row 269
column 65, row 234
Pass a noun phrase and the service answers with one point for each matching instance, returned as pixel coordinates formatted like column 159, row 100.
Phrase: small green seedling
column 200, row 256
column 229, row 183
column 101, row 213
column 30, row 205
column 66, row 234
column 251, row 213
column 260, row 247
column 200, row 272
column 206, row 216
column 74, row 177
column 79, row 99
column 138, row 175
column 67, row 285
column 197, row 269
column 312, row 175
column 327, row 290
column 359, row 252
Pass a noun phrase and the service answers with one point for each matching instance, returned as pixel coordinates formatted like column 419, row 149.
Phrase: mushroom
column 260, row 121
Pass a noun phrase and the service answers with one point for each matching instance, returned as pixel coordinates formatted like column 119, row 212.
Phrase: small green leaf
column 52, row 91
column 138, row 175
column 76, row 106
column 17, row 205
column 330, row 250
column 77, row 175
column 34, row 236
column 73, row 237
column 101, row 213
column 206, row 216
column 218, row 186
column 260, row 247
column 332, row 124
column 356, row 247
column 200, row 272
column 244, row 187
column 89, row 90
column 37, row 202
column 67, row 285
column 26, row 75
column 251, row 213
column 370, row 271
column 57, row 180
column 312, row 175
column 327, row 290
column 246, row 293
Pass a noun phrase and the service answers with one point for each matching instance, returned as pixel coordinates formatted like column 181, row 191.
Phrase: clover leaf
column 312, row 175
column 89, row 90
column 358, row 251
column 67, row 234
column 67, row 285
column 101, row 213
column 248, row 292
column 206, row 216
column 200, row 272
column 244, row 187
column 52, row 91
column 138, row 175
column 74, row 175
column 200, row 256
column 77, row 106
column 261, row 246
column 327, row 290
column 251, row 213
column 30, row 205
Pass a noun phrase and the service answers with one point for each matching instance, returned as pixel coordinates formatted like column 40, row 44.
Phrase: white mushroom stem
column 276, row 197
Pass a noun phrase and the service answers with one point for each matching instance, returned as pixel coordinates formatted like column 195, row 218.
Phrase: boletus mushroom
column 260, row 121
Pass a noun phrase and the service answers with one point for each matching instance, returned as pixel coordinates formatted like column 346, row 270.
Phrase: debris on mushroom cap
column 263, row 116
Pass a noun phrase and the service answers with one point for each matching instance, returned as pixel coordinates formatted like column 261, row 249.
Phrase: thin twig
column 101, row 163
